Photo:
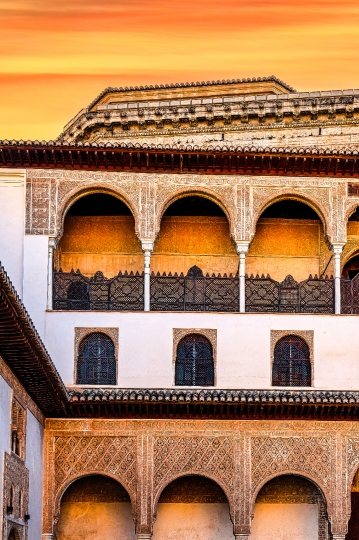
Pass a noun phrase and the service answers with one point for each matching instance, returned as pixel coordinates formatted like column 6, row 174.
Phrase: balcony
column 202, row 293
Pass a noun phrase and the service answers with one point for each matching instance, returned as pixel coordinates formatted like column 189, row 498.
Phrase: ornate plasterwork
column 15, row 496
column 243, row 198
column 81, row 333
column 307, row 335
column 241, row 456
column 209, row 333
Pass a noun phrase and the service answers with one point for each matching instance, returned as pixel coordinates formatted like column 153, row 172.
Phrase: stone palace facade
column 188, row 359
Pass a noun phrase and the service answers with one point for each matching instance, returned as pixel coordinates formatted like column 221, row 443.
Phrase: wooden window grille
column 96, row 360
column 291, row 365
column 194, row 362
column 18, row 429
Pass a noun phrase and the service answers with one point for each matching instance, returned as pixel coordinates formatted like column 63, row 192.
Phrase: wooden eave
column 317, row 162
column 213, row 404
column 22, row 350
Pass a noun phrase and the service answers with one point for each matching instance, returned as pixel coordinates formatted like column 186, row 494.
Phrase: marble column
column 242, row 250
column 50, row 269
column 147, row 248
column 337, row 248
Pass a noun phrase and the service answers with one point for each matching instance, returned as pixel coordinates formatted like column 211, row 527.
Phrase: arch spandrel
column 319, row 200
column 165, row 198
column 229, row 496
column 71, row 479
column 292, row 472
column 350, row 208
column 82, row 191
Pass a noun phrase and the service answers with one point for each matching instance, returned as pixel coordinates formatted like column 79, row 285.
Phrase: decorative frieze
column 243, row 198
column 240, row 456
column 15, row 497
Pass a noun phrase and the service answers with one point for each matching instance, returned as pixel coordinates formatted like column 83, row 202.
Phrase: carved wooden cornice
column 206, row 159
column 215, row 404
column 22, row 350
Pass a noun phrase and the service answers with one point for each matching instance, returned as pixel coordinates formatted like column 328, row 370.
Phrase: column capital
column 242, row 246
column 52, row 242
column 147, row 245
column 337, row 247
column 47, row 536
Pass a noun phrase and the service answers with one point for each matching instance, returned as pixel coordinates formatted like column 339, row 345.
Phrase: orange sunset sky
column 57, row 55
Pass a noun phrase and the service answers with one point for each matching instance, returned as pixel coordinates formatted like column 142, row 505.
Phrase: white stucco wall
column 35, row 278
column 243, row 345
column 145, row 339
column 5, row 398
column 34, row 462
column 195, row 521
column 12, row 216
column 284, row 522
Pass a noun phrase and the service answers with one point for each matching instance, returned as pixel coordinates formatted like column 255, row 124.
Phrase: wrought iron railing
column 73, row 291
column 349, row 289
column 194, row 292
column 314, row 295
column 198, row 292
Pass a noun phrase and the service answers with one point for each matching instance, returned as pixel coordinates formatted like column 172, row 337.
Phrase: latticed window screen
column 96, row 361
column 18, row 424
column 194, row 362
column 291, row 366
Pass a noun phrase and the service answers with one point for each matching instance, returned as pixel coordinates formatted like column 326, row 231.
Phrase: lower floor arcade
column 164, row 479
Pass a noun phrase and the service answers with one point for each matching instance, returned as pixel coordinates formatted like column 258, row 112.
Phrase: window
column 291, row 365
column 96, row 360
column 18, row 429
column 194, row 362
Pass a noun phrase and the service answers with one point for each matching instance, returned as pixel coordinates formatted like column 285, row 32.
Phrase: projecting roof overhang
column 213, row 404
column 224, row 160
column 22, row 350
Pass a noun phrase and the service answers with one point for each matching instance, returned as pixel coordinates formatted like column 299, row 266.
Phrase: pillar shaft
column 337, row 249
column 147, row 248
column 50, row 269
column 242, row 249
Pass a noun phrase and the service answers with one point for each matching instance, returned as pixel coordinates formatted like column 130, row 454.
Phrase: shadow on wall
column 95, row 507
column 195, row 508
column 292, row 507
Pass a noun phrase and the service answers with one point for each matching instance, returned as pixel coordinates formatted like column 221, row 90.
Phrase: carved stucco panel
column 15, row 480
column 302, row 453
column 79, row 455
column 50, row 192
column 171, row 188
column 321, row 198
column 212, row 456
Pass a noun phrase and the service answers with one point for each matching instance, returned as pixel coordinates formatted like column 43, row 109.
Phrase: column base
column 143, row 536
column 47, row 536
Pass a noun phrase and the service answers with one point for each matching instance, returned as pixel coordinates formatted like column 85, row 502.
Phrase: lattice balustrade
column 199, row 292
column 74, row 291
column 350, row 295
column 194, row 292
column 314, row 295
